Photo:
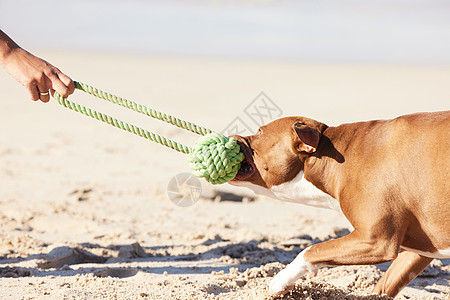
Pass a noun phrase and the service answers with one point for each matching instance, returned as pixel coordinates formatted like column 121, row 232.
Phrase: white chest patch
column 298, row 190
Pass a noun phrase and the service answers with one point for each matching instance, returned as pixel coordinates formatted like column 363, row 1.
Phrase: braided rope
column 122, row 125
column 142, row 109
column 214, row 156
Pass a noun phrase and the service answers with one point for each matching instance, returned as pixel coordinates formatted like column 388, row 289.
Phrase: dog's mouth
column 248, row 167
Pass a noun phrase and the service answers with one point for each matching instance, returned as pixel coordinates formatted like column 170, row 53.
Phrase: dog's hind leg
column 401, row 272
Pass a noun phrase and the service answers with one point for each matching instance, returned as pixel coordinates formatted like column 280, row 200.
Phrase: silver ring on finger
column 44, row 94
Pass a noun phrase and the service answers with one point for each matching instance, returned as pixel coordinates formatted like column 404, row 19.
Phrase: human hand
column 37, row 75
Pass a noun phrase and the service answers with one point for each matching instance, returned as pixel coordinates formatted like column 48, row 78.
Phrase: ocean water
column 315, row 30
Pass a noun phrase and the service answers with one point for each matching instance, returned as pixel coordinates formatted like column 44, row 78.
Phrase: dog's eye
column 259, row 132
column 298, row 124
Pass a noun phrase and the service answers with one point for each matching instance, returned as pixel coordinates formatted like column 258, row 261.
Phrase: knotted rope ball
column 215, row 157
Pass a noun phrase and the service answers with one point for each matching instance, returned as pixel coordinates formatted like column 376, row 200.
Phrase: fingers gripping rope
column 213, row 157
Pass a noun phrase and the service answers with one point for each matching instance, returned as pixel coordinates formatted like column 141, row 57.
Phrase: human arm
column 35, row 74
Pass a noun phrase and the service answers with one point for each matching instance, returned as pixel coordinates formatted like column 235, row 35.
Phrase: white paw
column 285, row 280
column 282, row 282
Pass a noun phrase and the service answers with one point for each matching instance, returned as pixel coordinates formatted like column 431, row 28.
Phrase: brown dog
column 391, row 179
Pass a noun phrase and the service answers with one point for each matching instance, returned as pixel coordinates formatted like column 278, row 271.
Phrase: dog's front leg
column 353, row 249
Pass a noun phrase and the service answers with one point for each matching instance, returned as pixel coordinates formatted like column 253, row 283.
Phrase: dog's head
column 276, row 153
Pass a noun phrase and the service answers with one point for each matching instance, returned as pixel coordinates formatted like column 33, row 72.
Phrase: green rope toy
column 214, row 156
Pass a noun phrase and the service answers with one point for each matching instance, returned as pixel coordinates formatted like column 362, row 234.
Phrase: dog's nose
column 241, row 140
column 237, row 137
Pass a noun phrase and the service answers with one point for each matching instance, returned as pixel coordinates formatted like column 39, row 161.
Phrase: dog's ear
column 306, row 139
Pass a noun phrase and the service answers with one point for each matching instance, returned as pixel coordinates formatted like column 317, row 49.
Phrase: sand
column 84, row 208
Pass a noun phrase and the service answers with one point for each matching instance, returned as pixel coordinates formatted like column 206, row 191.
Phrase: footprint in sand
column 116, row 272
column 70, row 256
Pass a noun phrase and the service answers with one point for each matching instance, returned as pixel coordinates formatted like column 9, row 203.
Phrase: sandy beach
column 84, row 208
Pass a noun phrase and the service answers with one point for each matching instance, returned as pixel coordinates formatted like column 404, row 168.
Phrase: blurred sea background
column 379, row 31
